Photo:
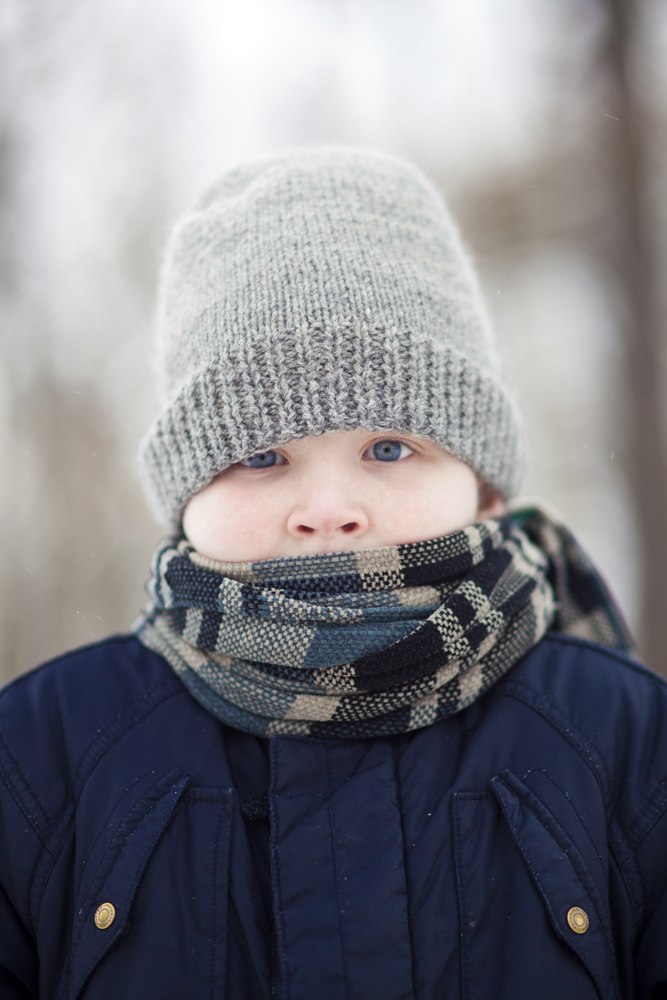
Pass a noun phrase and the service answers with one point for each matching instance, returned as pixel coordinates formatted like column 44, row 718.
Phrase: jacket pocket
column 532, row 920
column 151, row 918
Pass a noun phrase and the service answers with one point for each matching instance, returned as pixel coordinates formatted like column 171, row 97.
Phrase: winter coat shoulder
column 517, row 849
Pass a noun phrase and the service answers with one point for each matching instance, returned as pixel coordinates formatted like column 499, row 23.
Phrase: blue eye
column 390, row 450
column 262, row 460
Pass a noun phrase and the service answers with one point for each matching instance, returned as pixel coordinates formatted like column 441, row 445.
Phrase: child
column 376, row 735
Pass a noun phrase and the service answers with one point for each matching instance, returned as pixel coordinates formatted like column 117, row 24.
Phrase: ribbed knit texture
column 321, row 289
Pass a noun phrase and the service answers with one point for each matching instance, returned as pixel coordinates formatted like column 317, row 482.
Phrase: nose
column 327, row 512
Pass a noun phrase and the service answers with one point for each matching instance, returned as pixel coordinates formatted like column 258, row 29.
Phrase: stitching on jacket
column 141, row 811
column 123, row 721
column 644, row 893
column 650, row 814
column 43, row 855
column 275, row 875
column 231, row 833
column 647, row 818
column 334, row 858
column 103, row 826
column 635, row 890
column 550, row 777
column 46, row 862
column 138, row 814
column 401, row 814
column 152, row 799
column 54, row 836
column 624, row 843
column 538, row 703
column 214, row 908
column 635, row 896
column 460, row 892
column 549, row 822
column 61, row 831
column 460, row 880
column 585, row 746
column 631, row 859
column 19, row 788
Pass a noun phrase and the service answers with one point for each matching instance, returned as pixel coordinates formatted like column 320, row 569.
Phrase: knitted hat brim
column 233, row 408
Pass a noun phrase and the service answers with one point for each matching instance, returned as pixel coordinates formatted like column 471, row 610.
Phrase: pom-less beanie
column 315, row 290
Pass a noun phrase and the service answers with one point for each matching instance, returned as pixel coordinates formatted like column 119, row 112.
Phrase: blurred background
column 545, row 125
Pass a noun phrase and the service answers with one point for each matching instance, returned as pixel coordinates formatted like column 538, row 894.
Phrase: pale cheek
column 437, row 508
column 228, row 525
column 430, row 521
column 248, row 533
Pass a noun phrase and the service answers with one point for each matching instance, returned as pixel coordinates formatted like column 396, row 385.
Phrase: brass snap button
column 578, row 920
column 105, row 916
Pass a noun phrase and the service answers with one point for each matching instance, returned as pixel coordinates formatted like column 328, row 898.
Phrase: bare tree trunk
column 634, row 258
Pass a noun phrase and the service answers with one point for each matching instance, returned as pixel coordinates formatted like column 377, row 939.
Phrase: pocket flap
column 104, row 913
column 560, row 876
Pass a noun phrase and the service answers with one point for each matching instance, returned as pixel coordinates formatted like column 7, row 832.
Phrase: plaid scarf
column 376, row 642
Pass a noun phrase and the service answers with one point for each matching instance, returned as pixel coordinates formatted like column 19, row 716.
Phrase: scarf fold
column 376, row 642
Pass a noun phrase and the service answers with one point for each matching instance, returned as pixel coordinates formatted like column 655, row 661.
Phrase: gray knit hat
column 316, row 290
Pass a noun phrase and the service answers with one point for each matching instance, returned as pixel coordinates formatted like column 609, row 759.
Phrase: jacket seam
column 119, row 726
column 61, row 831
column 634, row 834
column 53, row 834
column 334, row 860
column 399, row 797
column 46, row 863
column 540, row 704
column 460, row 892
column 455, row 817
column 584, row 824
column 141, row 811
column 164, row 787
column 548, row 821
column 21, row 791
column 103, row 827
column 649, row 816
column 631, row 857
column 282, row 987
column 214, row 907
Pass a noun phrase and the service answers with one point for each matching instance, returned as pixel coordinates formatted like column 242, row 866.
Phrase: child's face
column 343, row 490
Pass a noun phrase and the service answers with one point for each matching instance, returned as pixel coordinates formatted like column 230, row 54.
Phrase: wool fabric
column 376, row 642
column 314, row 290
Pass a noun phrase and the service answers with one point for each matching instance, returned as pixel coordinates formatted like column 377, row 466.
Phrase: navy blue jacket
column 517, row 850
